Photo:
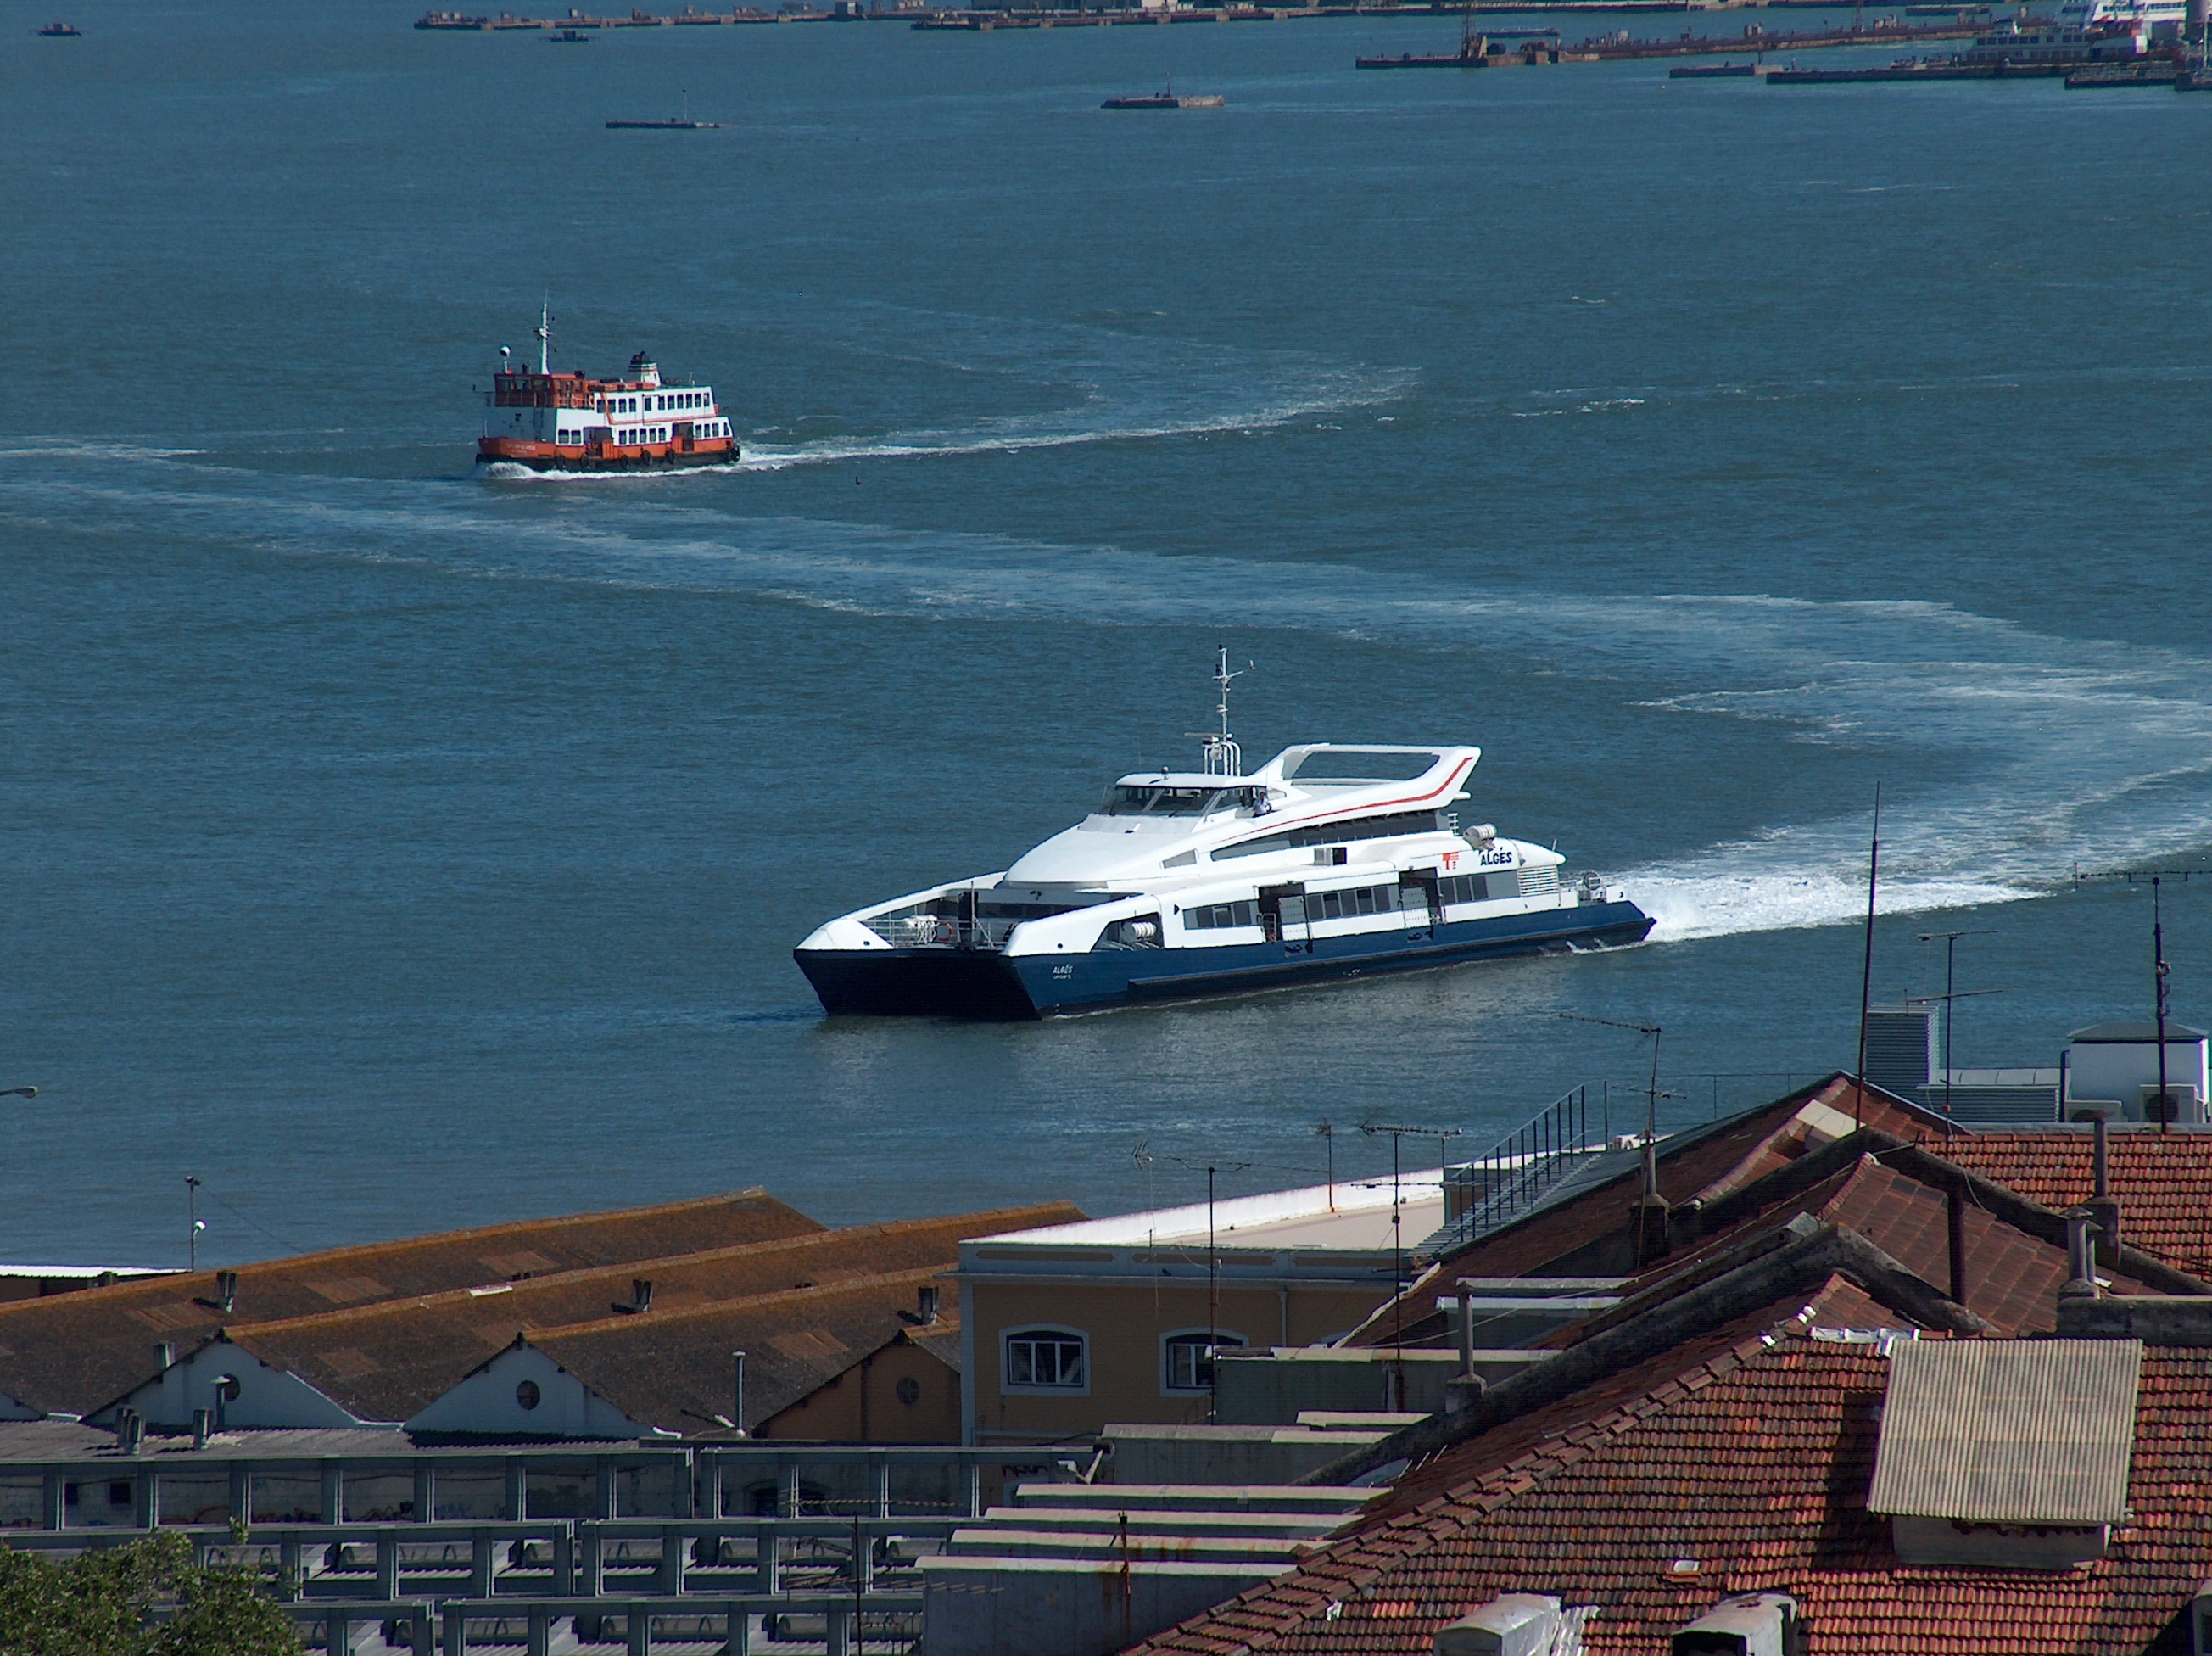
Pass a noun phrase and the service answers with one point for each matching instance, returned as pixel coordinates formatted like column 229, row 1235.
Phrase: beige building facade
column 1069, row 1327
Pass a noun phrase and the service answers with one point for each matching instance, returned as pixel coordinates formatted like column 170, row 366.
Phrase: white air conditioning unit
column 1754, row 1624
column 1511, row 1624
column 2186, row 1107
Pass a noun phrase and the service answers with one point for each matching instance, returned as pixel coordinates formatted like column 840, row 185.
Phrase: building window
column 1187, row 1359
column 1045, row 1359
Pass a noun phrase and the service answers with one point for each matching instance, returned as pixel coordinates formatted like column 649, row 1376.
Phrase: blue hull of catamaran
column 981, row 983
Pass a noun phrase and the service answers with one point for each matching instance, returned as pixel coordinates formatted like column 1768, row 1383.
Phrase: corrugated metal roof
column 2004, row 1432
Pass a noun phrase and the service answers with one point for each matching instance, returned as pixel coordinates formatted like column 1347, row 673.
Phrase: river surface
column 393, row 849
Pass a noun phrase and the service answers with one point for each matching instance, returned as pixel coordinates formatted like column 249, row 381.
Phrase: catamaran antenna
column 545, row 335
column 1223, row 757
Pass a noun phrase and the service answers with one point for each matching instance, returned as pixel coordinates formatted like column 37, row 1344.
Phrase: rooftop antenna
column 1866, row 975
column 1326, row 1134
column 192, row 1234
column 545, row 335
column 1949, row 995
column 1650, row 1199
column 1212, row 1277
column 1223, row 757
column 1398, row 1282
column 2161, row 975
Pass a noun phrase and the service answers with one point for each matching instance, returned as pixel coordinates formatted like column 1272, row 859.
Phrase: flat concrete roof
column 1350, row 1215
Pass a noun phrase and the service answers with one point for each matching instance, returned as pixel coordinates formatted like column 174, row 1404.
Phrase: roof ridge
column 754, row 1301
column 633, row 1268
column 178, row 1280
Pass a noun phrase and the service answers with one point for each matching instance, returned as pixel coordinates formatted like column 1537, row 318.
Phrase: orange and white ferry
column 570, row 422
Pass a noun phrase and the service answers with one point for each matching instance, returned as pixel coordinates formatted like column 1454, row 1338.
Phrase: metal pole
column 1866, row 976
column 2158, row 984
column 1950, row 1020
column 192, row 1229
column 1213, row 1301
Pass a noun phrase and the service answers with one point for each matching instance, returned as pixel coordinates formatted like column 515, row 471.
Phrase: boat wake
column 2011, row 753
column 1088, row 384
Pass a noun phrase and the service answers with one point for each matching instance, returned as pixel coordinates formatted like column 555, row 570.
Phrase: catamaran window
column 1214, row 916
column 1334, row 833
column 1128, row 799
column 1045, row 1359
column 1479, row 888
column 1186, row 1360
column 1349, row 905
column 1363, row 764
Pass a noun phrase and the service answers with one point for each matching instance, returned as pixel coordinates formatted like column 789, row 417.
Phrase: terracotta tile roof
column 2163, row 1181
column 1839, row 1302
column 2013, row 1278
column 1582, row 1236
column 76, row 1352
column 1753, row 1467
column 676, row 1374
column 385, row 1362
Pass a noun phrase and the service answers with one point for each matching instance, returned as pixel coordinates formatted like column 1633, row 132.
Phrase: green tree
column 102, row 1602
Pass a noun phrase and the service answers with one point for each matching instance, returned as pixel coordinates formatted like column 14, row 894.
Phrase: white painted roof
column 1353, row 1215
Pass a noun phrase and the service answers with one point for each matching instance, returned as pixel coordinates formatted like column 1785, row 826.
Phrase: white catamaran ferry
column 1329, row 860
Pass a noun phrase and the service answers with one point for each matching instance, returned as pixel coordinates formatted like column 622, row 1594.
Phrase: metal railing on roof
column 1514, row 1175
column 762, row 1558
column 107, row 1491
column 886, row 1621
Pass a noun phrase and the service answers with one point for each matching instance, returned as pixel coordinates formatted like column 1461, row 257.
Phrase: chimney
column 1651, row 1213
column 2081, row 1270
column 166, row 1352
column 928, row 1295
column 203, row 1427
column 226, row 1291
column 641, row 1293
column 1466, row 1329
column 2102, row 1206
column 130, row 1431
column 738, row 1402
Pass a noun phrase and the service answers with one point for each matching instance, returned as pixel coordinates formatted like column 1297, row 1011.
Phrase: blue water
column 394, row 849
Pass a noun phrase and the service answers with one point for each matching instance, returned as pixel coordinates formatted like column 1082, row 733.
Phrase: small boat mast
column 1223, row 757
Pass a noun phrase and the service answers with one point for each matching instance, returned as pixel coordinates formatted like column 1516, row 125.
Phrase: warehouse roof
column 73, row 1353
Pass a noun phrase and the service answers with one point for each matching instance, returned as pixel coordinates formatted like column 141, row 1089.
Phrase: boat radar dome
column 644, row 370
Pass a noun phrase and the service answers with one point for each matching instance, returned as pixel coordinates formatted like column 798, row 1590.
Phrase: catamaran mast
column 1223, row 757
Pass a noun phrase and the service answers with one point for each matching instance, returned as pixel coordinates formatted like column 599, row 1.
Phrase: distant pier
column 975, row 22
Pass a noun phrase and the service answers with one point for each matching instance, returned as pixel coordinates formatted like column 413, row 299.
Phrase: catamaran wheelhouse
column 549, row 421
column 1329, row 860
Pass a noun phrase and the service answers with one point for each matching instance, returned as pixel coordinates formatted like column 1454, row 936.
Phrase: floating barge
column 1169, row 100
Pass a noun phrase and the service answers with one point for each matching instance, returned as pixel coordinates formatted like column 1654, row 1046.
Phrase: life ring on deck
column 943, row 931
